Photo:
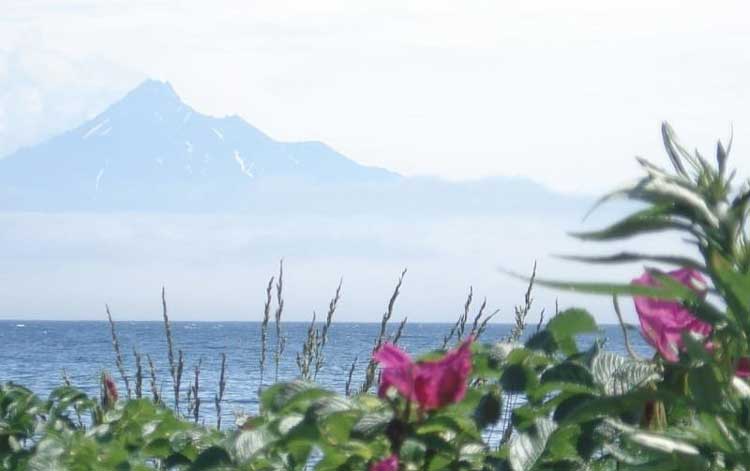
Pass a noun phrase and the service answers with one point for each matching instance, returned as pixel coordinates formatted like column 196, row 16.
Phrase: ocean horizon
column 38, row 353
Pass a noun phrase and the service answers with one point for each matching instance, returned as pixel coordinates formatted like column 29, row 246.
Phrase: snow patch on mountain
column 243, row 167
column 94, row 129
column 98, row 179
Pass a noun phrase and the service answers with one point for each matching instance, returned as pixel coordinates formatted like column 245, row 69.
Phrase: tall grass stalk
column 306, row 356
column 138, row 374
column 219, row 397
column 371, row 368
column 483, row 324
column 280, row 339
column 625, row 336
column 264, row 331
column 155, row 396
column 323, row 337
column 195, row 406
column 118, row 354
column 175, row 367
column 348, row 386
column 460, row 324
column 519, row 326
column 399, row 332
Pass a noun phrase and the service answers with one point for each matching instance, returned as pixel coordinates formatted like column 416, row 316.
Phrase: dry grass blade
column 399, row 332
column 280, row 340
column 66, row 378
column 155, row 396
column 178, row 380
column 264, row 331
column 348, row 387
column 219, row 397
column 323, row 338
column 305, row 357
column 541, row 321
column 118, row 354
column 370, row 371
column 483, row 325
column 175, row 368
column 626, row 338
column 478, row 317
column 522, row 311
column 460, row 324
column 195, row 406
column 138, row 375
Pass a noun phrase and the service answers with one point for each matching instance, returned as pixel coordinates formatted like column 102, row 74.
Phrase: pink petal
column 443, row 382
column 390, row 356
column 742, row 368
column 663, row 321
column 398, row 371
column 387, row 464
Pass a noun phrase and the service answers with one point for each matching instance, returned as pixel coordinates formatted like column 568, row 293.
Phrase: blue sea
column 35, row 353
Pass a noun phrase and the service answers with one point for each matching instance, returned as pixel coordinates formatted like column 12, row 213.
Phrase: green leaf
column 336, row 428
column 562, row 443
column 543, row 341
column 733, row 285
column 616, row 374
column 604, row 288
column 662, row 443
column 372, row 424
column 291, row 396
column 612, row 406
column 413, row 451
column 571, row 322
column 250, row 442
column 567, row 324
column 212, row 457
column 518, row 379
column 525, row 449
column 649, row 220
column 629, row 257
column 705, row 387
column 159, row 448
column 489, row 409
column 568, row 372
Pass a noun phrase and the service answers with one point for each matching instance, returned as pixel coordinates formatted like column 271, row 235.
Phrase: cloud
column 43, row 93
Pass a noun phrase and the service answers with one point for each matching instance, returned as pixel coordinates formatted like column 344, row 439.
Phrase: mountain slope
column 152, row 151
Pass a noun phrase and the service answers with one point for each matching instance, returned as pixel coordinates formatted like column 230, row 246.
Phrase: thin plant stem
column 118, row 354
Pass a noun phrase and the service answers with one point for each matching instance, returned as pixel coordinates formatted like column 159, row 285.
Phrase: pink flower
column 663, row 321
column 442, row 382
column 432, row 384
column 398, row 371
column 742, row 368
column 387, row 464
column 110, row 390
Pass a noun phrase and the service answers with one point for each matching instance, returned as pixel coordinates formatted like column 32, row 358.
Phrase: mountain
column 152, row 151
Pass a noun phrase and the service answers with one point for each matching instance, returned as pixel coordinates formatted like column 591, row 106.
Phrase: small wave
column 20, row 325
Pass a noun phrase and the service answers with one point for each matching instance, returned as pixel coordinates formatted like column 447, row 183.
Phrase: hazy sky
column 564, row 92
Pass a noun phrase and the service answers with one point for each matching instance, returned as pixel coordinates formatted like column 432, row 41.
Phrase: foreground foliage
column 582, row 407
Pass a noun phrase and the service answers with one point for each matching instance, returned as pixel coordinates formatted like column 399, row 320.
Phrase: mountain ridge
column 152, row 151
